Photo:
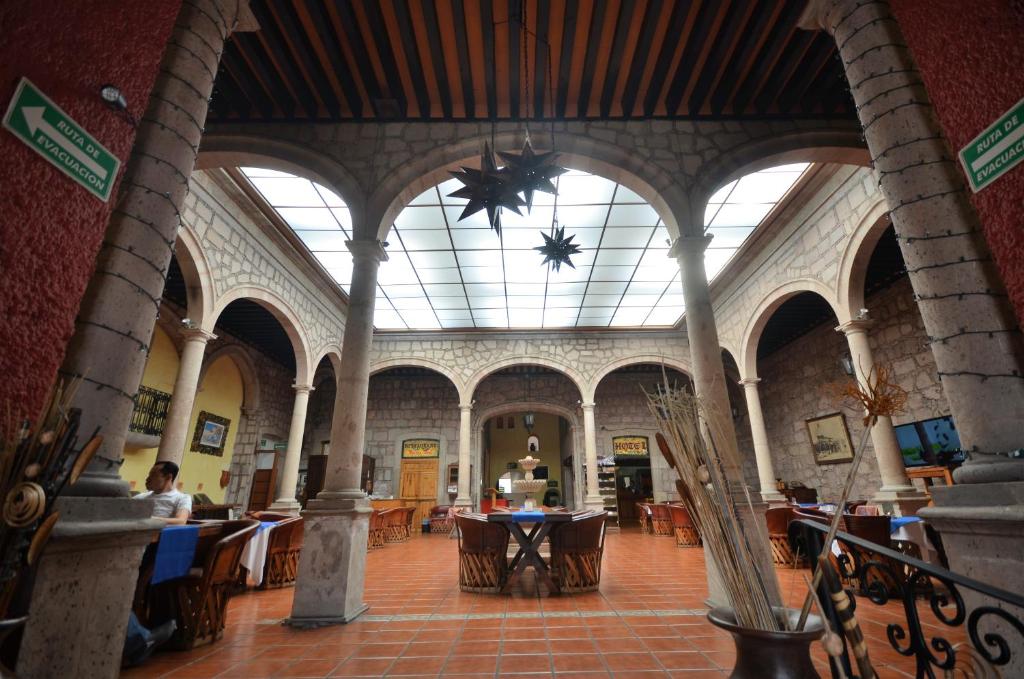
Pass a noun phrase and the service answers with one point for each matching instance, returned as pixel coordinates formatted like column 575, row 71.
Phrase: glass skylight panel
column 440, row 267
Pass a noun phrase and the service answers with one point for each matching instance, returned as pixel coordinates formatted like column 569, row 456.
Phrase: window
column 511, row 421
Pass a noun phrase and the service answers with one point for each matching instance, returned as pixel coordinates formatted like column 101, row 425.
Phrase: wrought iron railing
column 150, row 411
column 871, row 572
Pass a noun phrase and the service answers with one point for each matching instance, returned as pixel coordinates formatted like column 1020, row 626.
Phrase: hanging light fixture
column 487, row 189
column 528, row 418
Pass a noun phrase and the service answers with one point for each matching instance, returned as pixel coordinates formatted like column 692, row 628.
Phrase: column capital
column 367, row 249
column 466, row 407
column 750, row 382
column 303, row 388
column 196, row 335
column 689, row 245
column 857, row 325
column 589, row 405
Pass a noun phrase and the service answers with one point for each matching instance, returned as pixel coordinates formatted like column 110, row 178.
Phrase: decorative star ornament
column 557, row 250
column 529, row 171
column 487, row 189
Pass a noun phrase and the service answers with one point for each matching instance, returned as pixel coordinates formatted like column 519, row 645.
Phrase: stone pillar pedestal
column 94, row 550
column 592, row 499
column 179, row 412
column 286, row 501
column 765, row 469
column 333, row 562
column 464, row 498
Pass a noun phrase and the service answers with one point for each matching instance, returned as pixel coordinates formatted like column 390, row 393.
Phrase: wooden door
column 262, row 495
column 418, row 487
column 316, row 473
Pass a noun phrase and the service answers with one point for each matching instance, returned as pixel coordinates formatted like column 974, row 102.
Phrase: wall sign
column 420, row 448
column 38, row 122
column 630, row 446
column 998, row 148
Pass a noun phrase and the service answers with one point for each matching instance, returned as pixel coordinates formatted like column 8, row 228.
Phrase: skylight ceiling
column 443, row 273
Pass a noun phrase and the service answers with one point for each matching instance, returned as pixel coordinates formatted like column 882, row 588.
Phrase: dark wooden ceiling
column 330, row 60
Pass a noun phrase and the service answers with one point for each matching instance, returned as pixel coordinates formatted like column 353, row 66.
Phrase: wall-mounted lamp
column 847, row 364
column 862, row 314
column 528, row 420
column 115, row 99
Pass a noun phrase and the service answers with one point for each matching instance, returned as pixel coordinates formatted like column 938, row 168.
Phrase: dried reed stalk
column 709, row 496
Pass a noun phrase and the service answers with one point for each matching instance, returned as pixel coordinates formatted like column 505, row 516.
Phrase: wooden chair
column 778, row 520
column 441, row 520
column 685, row 530
column 282, row 564
column 483, row 558
column 198, row 601
column 576, row 550
column 392, row 520
column 377, row 533
column 407, row 527
column 661, row 520
column 645, row 518
column 269, row 516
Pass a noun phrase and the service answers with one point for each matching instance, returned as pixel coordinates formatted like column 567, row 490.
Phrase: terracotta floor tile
column 617, row 645
column 421, row 649
column 573, row 646
column 697, row 674
column 524, row 663
column 421, row 666
column 481, row 634
column 684, row 660
column 476, row 648
column 380, row 650
column 631, row 661
column 521, row 633
column 363, row 667
column 669, row 644
column 256, row 669
column 471, row 664
column 524, row 647
column 310, row 668
column 583, row 661
column 592, row 674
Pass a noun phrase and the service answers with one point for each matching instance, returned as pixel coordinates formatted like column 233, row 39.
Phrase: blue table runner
column 175, row 552
column 898, row 522
column 528, row 517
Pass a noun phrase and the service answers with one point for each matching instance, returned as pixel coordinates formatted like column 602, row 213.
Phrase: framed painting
column 211, row 434
column 830, row 439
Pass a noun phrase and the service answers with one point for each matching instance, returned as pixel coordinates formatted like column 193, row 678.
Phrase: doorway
column 510, row 437
column 633, row 484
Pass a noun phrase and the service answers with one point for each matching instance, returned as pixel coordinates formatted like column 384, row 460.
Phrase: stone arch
column 237, row 150
column 764, row 310
column 196, row 271
column 608, row 368
column 445, row 371
column 481, row 374
column 331, row 352
column 853, row 266
column 246, row 368
column 284, row 314
column 827, row 145
column 580, row 152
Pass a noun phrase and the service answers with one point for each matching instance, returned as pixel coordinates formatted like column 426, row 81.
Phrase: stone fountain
column 529, row 485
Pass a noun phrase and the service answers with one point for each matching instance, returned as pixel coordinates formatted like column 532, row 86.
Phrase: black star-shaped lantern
column 529, row 171
column 487, row 189
column 557, row 250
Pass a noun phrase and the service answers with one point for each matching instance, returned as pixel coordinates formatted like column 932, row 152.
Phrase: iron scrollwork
column 880, row 575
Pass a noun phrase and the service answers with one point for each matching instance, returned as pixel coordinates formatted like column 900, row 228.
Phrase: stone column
column 179, row 412
column 974, row 336
column 80, row 603
column 593, row 499
column 286, row 501
column 763, row 454
column 465, row 498
column 895, row 484
column 329, row 587
column 709, row 384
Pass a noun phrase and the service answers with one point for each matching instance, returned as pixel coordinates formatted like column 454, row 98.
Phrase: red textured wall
column 970, row 55
column 50, row 227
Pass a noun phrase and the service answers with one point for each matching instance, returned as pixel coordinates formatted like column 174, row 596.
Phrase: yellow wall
column 220, row 394
column 509, row 445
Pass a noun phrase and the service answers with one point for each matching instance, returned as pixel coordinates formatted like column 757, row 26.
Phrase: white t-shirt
column 167, row 505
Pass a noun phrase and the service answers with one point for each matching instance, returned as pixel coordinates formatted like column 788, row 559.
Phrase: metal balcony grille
column 150, row 411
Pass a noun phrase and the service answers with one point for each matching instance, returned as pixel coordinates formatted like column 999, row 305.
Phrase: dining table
column 176, row 549
column 541, row 524
column 254, row 554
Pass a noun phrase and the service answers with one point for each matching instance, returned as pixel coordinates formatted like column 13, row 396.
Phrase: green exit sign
column 46, row 129
column 996, row 150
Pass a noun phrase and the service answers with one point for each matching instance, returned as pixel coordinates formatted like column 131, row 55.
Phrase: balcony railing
column 150, row 412
column 873, row 573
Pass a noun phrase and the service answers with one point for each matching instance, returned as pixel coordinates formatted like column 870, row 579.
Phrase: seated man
column 170, row 504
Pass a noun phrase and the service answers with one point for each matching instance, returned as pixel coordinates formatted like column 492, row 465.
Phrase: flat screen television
column 929, row 442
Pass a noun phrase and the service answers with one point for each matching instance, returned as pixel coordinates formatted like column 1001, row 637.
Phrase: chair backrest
column 585, row 531
column 221, row 564
column 816, row 516
column 867, row 510
column 439, row 511
column 477, row 535
column 287, row 535
column 877, row 529
column 391, row 517
column 269, row 516
column 409, row 513
column 778, row 519
column 680, row 516
column 660, row 511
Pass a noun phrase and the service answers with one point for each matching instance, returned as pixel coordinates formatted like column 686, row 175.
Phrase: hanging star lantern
column 529, row 171
column 487, row 189
column 559, row 249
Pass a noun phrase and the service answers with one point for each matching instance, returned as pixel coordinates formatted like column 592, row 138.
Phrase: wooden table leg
column 529, row 554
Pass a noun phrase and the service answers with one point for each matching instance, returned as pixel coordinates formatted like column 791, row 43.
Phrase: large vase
column 771, row 655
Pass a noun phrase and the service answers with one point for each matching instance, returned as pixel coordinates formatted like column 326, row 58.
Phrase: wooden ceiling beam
column 816, row 61
column 739, row 66
column 425, row 18
column 451, row 18
column 774, row 46
column 272, row 49
column 477, row 62
column 766, row 101
column 707, row 25
column 672, row 54
column 399, row 63
column 317, row 25
column 595, row 64
column 304, row 52
column 407, row 49
column 641, row 68
column 263, row 72
column 627, row 33
column 737, row 23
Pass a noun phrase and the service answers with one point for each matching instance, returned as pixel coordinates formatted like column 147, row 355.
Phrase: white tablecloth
column 254, row 556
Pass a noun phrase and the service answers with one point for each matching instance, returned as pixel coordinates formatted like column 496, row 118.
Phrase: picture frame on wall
column 211, row 434
column 830, row 439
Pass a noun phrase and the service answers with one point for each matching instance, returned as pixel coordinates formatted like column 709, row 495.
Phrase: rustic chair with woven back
column 576, row 550
column 661, row 520
column 483, row 554
column 441, row 520
column 645, row 519
column 778, row 519
column 199, row 600
column 394, row 524
column 376, row 532
column 282, row 563
column 685, row 530
column 407, row 527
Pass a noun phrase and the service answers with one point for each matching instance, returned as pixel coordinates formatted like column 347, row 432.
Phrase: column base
column 902, row 500
column 464, row 502
column 84, row 587
column 329, row 586
column 982, row 530
column 773, row 497
column 285, row 506
column 593, row 502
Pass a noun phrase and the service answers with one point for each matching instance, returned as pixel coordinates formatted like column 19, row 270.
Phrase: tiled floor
column 647, row 621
